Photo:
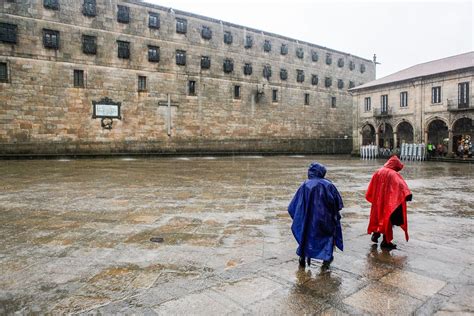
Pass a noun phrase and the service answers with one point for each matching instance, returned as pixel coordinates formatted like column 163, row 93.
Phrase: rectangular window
column 8, row 33
column 227, row 37
column 78, row 78
column 191, row 87
column 51, row 39
column 384, row 103
column 89, row 8
column 403, row 99
column 153, row 20
column 247, row 69
column 153, row 54
column 89, row 44
column 367, row 104
column 299, row 75
column 181, row 26
column 333, row 102
column 123, row 14
column 274, row 95
column 123, row 49
column 236, row 92
column 205, row 62
column 141, row 83
column 51, row 4
column 248, row 41
column 306, row 99
column 180, row 57
column 463, row 94
column 436, row 95
column 3, row 72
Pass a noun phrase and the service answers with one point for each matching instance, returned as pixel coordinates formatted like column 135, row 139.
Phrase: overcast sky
column 402, row 33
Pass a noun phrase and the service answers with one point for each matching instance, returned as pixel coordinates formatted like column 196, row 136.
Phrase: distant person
column 388, row 194
column 316, row 219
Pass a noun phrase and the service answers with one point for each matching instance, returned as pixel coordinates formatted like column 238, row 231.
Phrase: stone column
column 425, row 135
column 377, row 139
column 395, row 140
column 450, row 143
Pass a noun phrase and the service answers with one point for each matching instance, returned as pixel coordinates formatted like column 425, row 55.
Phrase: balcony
column 385, row 113
column 454, row 105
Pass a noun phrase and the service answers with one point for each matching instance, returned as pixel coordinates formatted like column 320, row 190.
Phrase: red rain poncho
column 387, row 190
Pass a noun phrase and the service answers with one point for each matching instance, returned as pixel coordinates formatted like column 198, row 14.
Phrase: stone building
column 109, row 76
column 429, row 102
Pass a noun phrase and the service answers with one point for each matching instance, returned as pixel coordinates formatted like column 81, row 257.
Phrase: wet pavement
column 76, row 239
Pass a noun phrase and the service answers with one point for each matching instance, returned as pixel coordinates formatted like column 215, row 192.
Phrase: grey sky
column 401, row 33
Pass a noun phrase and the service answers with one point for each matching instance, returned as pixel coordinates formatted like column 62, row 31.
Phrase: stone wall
column 41, row 112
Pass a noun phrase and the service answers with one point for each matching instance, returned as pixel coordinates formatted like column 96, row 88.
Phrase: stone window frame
column 306, row 99
column 300, row 52
column 51, row 4
column 153, row 54
column 181, row 26
column 384, row 103
column 362, row 68
column 206, row 32
column 351, row 84
column 237, row 92
column 367, row 104
column 154, row 20
column 51, row 39
column 8, row 33
column 404, row 99
column 314, row 80
column 89, row 44
column 228, row 39
column 436, row 95
column 340, row 62
column 248, row 69
column 333, row 102
column 328, row 59
column 283, row 74
column 192, row 87
column 205, row 62
column 142, row 84
column 267, row 46
column 267, row 71
column 78, row 78
column 284, row 49
column 123, row 49
column 299, row 75
column 275, row 95
column 123, row 14
column 89, row 8
column 180, row 57
column 228, row 66
column 463, row 93
column 4, row 72
column 340, row 84
column 314, row 56
column 248, row 41
column 328, row 82
column 351, row 65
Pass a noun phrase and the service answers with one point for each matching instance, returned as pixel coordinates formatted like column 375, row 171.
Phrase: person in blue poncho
column 316, row 219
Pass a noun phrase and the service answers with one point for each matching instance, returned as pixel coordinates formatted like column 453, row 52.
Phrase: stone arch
column 405, row 133
column 437, row 130
column 385, row 131
column 368, row 134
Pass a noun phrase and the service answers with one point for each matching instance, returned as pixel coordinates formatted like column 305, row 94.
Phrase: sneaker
column 375, row 237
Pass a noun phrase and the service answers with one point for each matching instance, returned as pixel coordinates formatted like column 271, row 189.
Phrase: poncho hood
column 394, row 163
column 316, row 170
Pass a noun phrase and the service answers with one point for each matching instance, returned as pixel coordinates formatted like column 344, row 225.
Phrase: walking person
column 388, row 194
column 316, row 219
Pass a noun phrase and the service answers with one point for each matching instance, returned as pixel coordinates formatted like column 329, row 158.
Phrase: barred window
column 274, row 95
column 8, row 33
column 284, row 49
column 89, row 8
column 247, row 69
column 3, row 72
column 181, row 26
column 340, row 83
column 351, row 65
column 340, row 62
column 327, row 82
column 236, row 92
column 436, row 95
column 78, row 78
column 51, row 39
column 123, row 14
column 206, row 32
column 306, row 99
column 300, row 53
column 153, row 20
column 191, row 87
column 228, row 37
column 205, row 62
column 181, row 57
column 248, row 41
column 51, row 4
column 267, row 72
column 89, row 44
column 123, row 50
column 267, row 46
column 299, row 75
column 228, row 66
column 142, row 83
column 314, row 56
column 367, row 104
column 153, row 54
column 403, row 99
column 328, row 59
column 314, row 80
column 283, row 74
column 351, row 84
column 333, row 102
column 362, row 68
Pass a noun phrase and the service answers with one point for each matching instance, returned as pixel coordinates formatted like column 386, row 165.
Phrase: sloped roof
column 438, row 66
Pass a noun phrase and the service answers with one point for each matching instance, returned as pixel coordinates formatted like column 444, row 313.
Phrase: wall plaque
column 107, row 110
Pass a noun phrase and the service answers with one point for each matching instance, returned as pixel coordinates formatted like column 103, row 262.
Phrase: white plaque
column 109, row 110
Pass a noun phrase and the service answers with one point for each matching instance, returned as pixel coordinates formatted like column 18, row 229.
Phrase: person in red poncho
column 388, row 194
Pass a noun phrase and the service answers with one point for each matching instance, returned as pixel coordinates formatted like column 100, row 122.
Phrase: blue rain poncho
column 315, row 213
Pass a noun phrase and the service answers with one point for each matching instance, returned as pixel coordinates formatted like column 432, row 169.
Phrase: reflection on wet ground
column 76, row 239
